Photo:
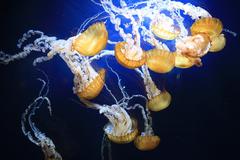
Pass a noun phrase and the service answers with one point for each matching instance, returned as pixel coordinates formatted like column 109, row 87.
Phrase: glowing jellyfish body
column 182, row 61
column 212, row 27
column 209, row 25
column 129, row 56
column 91, row 41
column 163, row 27
column 160, row 61
column 124, row 137
column 146, row 142
column 94, row 87
column 194, row 46
column 160, row 101
column 217, row 43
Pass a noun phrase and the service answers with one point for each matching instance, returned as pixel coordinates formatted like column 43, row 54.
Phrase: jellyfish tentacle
column 39, row 138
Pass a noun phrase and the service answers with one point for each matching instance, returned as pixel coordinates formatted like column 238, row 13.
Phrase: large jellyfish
column 30, row 130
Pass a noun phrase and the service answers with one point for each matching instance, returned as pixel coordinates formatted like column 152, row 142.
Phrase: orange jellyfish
column 121, row 138
column 159, row 102
column 212, row 27
column 194, row 46
column 208, row 25
column 147, row 142
column 160, row 61
column 164, row 30
column 129, row 56
column 217, row 43
column 182, row 61
column 91, row 41
column 92, row 89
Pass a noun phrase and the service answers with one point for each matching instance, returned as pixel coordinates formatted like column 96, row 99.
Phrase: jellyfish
column 91, row 41
column 213, row 28
column 193, row 47
column 130, row 56
column 157, row 100
column 217, row 43
column 163, row 27
column 160, row 61
column 32, row 132
column 182, row 61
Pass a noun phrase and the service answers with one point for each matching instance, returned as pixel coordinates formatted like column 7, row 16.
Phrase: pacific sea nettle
column 160, row 61
column 159, row 102
column 129, row 56
column 92, row 40
column 147, row 142
column 182, row 61
column 93, row 88
column 213, row 28
column 194, row 46
column 123, row 138
column 164, row 31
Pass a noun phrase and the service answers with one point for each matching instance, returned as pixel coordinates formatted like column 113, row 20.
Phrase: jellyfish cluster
column 158, row 24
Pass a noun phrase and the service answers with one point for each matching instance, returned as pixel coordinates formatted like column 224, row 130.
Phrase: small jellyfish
column 91, row 41
column 164, row 28
column 182, row 61
column 160, row 101
column 147, row 142
column 193, row 46
column 160, row 61
column 121, row 128
column 217, row 43
column 93, row 88
column 118, row 130
column 157, row 100
column 129, row 56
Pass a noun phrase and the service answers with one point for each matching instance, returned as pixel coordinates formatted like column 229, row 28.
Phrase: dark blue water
column 201, row 123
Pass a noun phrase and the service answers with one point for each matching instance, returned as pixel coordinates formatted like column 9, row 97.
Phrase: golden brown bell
column 121, row 55
column 123, row 139
column 209, row 25
column 146, row 142
column 92, row 40
column 93, row 89
column 217, row 43
column 159, row 102
column 162, row 32
column 182, row 61
column 160, row 61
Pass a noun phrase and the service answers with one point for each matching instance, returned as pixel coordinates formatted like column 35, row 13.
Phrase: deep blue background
column 201, row 123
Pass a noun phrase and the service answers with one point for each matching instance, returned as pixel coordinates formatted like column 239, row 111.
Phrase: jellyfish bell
column 208, row 25
column 193, row 46
column 129, row 56
column 159, row 102
column 164, row 29
column 92, row 40
column 160, row 61
column 146, row 142
column 123, row 138
column 182, row 61
column 93, row 88
column 217, row 43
